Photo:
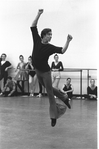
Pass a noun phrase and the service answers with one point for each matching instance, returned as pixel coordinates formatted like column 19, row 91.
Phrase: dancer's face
column 47, row 37
column 56, row 58
column 3, row 57
column 68, row 81
column 21, row 59
column 29, row 60
column 92, row 82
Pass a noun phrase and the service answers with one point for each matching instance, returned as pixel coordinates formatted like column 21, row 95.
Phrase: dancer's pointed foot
column 53, row 122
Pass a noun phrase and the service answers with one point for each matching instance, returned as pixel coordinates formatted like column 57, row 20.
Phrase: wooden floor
column 25, row 124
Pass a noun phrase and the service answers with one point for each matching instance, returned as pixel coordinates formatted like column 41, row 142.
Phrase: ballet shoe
column 39, row 95
column 31, row 95
column 53, row 122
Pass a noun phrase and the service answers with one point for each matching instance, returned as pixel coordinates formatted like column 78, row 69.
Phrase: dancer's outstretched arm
column 40, row 11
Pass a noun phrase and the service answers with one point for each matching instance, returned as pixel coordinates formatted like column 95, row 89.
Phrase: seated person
column 11, row 85
column 68, row 88
column 92, row 90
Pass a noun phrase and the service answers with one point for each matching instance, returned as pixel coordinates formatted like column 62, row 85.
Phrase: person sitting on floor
column 11, row 85
column 68, row 88
column 92, row 90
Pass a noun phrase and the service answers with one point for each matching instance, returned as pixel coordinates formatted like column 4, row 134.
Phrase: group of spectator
column 26, row 71
column 23, row 71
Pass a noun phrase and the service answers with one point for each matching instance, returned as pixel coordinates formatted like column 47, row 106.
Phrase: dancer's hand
column 40, row 11
column 69, row 37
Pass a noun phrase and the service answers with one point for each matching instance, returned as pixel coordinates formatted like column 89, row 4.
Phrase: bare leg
column 31, row 84
column 34, row 83
column 56, row 82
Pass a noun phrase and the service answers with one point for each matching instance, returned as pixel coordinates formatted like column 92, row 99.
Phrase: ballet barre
column 80, row 70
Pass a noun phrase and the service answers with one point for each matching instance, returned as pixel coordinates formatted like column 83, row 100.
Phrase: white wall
column 76, row 17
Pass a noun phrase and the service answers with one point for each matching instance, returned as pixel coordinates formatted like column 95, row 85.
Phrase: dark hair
column 10, row 78
column 3, row 54
column 55, row 55
column 45, row 31
column 21, row 56
column 68, row 78
column 92, row 80
column 30, row 57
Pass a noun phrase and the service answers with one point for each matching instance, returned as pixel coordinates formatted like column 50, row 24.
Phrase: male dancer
column 41, row 52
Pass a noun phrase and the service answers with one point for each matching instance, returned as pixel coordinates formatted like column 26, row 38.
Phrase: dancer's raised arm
column 69, row 38
column 40, row 11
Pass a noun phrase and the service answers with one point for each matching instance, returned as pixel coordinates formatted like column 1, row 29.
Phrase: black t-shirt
column 41, row 52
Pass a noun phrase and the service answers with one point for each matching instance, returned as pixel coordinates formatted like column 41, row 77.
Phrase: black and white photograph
column 48, row 74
